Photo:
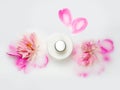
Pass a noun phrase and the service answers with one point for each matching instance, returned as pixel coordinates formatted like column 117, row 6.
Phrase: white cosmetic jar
column 60, row 46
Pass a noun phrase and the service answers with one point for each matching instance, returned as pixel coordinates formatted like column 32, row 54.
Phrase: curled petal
column 106, row 46
column 65, row 16
column 79, row 25
column 41, row 63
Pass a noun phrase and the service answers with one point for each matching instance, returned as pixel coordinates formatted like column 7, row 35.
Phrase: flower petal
column 13, row 51
column 21, row 63
column 79, row 25
column 106, row 46
column 65, row 16
column 41, row 63
column 44, row 63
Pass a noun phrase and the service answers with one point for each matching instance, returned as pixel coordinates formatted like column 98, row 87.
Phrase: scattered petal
column 79, row 25
column 41, row 62
column 65, row 16
column 106, row 46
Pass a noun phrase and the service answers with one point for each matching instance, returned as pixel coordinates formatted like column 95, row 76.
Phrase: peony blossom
column 26, row 52
column 92, row 57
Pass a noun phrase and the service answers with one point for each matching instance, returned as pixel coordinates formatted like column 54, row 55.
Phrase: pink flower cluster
column 91, row 56
column 26, row 52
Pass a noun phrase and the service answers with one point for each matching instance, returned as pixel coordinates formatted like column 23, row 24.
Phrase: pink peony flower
column 26, row 52
column 91, row 56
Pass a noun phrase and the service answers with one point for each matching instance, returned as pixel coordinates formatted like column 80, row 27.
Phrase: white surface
column 16, row 16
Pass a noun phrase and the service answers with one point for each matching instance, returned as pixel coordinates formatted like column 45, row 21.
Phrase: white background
column 20, row 16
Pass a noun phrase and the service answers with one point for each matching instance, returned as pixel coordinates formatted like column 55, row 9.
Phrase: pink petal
column 26, row 40
column 21, row 63
column 41, row 64
column 79, row 25
column 33, row 37
column 83, row 74
column 44, row 63
column 65, row 16
column 83, row 71
column 74, row 52
column 106, row 57
column 13, row 51
column 106, row 46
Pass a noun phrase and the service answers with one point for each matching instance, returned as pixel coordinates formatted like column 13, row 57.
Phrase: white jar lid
column 60, row 46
